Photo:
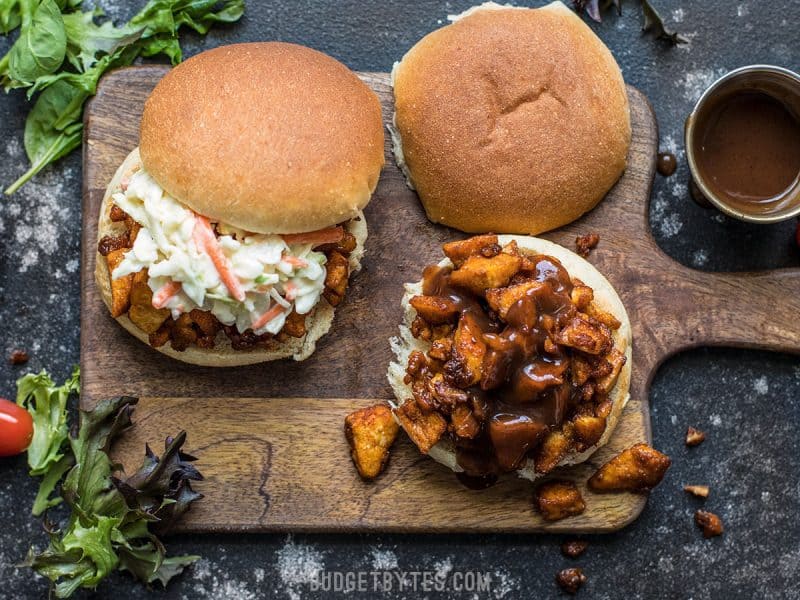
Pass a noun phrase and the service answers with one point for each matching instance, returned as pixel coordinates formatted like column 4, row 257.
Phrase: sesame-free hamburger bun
column 510, row 120
column 269, row 137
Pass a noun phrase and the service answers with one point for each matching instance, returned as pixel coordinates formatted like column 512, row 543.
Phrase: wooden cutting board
column 269, row 437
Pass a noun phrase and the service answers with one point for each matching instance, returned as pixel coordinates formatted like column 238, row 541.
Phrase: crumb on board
column 570, row 580
column 694, row 437
column 574, row 548
column 701, row 491
column 586, row 243
column 18, row 357
column 710, row 523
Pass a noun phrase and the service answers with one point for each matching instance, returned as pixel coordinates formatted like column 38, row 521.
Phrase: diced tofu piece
column 701, row 491
column 116, row 214
column 580, row 370
column 436, row 310
column 559, row 499
column 447, row 396
column 141, row 312
column 694, row 437
column 464, row 423
column 637, row 469
column 502, row 299
column 338, row 270
column 295, row 325
column 585, row 335
column 205, row 321
column 461, row 250
column 589, row 429
column 424, row 429
column 465, row 366
column 582, row 296
column 370, row 432
column 478, row 274
column 120, row 288
column 710, row 523
column 183, row 333
column 617, row 359
column 606, row 318
column 554, row 447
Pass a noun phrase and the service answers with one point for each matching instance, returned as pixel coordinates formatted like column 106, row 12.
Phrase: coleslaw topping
column 238, row 276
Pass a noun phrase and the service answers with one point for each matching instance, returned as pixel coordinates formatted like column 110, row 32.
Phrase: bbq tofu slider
column 228, row 236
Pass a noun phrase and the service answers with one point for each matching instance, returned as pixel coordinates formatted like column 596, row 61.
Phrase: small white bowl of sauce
column 743, row 144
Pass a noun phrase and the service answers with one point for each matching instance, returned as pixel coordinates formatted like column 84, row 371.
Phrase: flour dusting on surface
column 42, row 210
column 214, row 582
column 699, row 258
column 298, row 565
column 383, row 560
column 668, row 224
column 761, row 386
column 695, row 82
column 503, row 583
column 443, row 568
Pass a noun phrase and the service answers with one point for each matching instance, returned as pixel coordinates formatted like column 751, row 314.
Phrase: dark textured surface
column 747, row 402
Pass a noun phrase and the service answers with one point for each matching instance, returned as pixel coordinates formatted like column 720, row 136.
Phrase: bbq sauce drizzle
column 526, row 390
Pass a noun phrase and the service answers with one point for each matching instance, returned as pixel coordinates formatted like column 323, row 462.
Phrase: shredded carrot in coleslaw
column 275, row 311
column 207, row 242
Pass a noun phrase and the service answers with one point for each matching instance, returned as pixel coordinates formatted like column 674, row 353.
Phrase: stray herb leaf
column 41, row 45
column 64, row 48
column 653, row 23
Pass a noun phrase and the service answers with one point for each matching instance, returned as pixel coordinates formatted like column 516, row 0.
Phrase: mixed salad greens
column 63, row 49
column 114, row 520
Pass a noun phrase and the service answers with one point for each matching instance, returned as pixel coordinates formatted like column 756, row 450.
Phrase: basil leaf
column 41, row 46
column 162, row 44
column 53, row 128
column 86, row 39
column 10, row 16
column 37, row 60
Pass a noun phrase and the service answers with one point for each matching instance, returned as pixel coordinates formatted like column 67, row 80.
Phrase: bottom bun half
column 318, row 321
column 605, row 299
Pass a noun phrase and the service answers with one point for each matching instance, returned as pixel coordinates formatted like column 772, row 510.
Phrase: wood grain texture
column 269, row 437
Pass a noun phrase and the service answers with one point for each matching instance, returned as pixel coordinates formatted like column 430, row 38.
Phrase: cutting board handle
column 747, row 310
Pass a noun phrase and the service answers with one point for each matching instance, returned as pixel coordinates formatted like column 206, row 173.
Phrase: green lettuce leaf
column 47, row 405
column 114, row 519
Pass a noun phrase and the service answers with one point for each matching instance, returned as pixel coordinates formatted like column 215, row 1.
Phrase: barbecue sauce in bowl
column 748, row 151
column 743, row 144
column 525, row 390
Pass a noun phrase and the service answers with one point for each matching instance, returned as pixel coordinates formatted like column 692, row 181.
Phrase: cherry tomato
column 16, row 428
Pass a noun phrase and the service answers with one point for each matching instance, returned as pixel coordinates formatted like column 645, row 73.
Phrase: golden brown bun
column 511, row 120
column 605, row 299
column 269, row 137
column 318, row 322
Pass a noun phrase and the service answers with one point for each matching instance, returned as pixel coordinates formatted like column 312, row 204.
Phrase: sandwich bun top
column 268, row 137
column 511, row 120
